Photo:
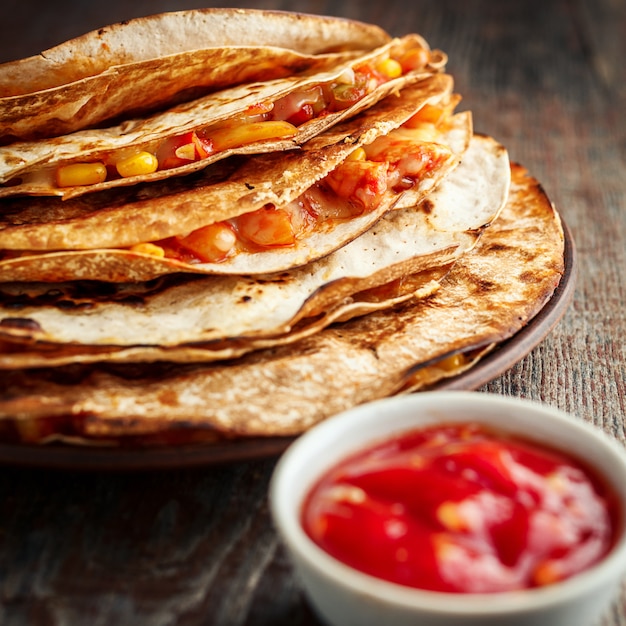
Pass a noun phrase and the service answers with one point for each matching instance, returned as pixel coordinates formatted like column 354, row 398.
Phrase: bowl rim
column 286, row 515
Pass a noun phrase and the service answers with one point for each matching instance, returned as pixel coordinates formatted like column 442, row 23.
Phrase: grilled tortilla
column 112, row 72
column 403, row 256
column 252, row 118
column 273, row 213
column 490, row 294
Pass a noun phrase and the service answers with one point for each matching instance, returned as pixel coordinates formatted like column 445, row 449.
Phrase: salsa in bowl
column 454, row 508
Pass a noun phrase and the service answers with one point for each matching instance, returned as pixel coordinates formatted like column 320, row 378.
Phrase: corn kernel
column 357, row 155
column 390, row 68
column 452, row 362
column 77, row 174
column 148, row 248
column 233, row 137
column 137, row 164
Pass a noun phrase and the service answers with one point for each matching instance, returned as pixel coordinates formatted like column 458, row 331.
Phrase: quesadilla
column 274, row 212
column 402, row 256
column 234, row 224
column 154, row 62
column 490, row 294
column 256, row 117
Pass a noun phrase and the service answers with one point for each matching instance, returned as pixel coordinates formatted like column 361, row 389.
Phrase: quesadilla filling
column 370, row 176
column 279, row 119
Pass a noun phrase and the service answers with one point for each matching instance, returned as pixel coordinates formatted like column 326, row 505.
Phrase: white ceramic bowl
column 343, row 596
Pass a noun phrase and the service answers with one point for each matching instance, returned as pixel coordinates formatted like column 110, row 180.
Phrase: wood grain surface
column 196, row 546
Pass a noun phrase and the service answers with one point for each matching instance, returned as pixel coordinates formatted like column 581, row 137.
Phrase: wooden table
column 196, row 546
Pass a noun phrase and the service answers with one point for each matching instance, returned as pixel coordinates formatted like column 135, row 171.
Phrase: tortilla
column 113, row 71
column 248, row 312
column 491, row 293
column 84, row 238
column 20, row 351
column 30, row 167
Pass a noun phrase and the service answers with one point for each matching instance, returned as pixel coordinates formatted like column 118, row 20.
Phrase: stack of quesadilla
column 268, row 229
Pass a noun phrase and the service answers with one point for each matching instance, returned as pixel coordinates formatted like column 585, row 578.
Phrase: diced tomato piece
column 300, row 106
column 343, row 96
column 182, row 150
column 204, row 146
column 370, row 76
column 414, row 59
column 305, row 114
column 260, row 108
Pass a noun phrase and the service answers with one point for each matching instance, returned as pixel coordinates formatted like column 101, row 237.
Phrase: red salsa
column 458, row 508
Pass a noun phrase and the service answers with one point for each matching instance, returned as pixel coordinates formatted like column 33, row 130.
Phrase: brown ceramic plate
column 490, row 367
